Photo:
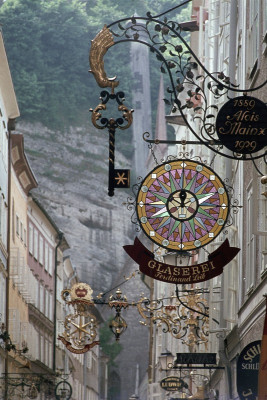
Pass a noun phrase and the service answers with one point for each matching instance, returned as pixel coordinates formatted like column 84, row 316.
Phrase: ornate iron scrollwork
column 190, row 81
column 185, row 318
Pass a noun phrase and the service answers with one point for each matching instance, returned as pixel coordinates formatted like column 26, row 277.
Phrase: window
column 25, row 237
column 17, row 225
column 50, row 355
column 41, row 250
column 21, row 231
column 35, row 244
column 41, row 298
column 253, row 36
column 51, row 306
column 3, row 220
column 42, row 350
column 2, row 296
column 50, row 261
column 47, row 300
column 46, row 352
column 46, row 256
column 31, row 238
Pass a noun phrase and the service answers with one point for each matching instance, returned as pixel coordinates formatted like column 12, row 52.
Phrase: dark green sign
column 241, row 125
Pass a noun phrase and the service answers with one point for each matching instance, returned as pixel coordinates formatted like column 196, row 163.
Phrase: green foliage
column 109, row 346
column 47, row 44
column 47, row 48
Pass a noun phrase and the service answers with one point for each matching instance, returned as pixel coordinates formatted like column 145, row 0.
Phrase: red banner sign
column 179, row 274
column 74, row 350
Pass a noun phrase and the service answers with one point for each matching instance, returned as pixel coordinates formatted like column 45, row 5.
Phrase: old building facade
column 228, row 36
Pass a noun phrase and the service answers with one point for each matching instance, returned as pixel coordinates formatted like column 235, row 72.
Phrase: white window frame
column 25, row 237
column 51, row 306
column 50, row 261
column 17, row 224
column 35, row 243
column 253, row 37
column 30, row 238
column 41, row 250
column 47, row 301
column 21, row 231
column 41, row 298
column 46, row 257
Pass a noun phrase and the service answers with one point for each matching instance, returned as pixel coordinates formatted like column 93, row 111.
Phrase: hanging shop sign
column 241, row 125
column 247, row 371
column 80, row 327
column 182, row 205
column 172, row 383
column 195, row 358
column 179, row 274
column 118, row 178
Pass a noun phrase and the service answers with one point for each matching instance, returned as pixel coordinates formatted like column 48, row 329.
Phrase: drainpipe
column 60, row 239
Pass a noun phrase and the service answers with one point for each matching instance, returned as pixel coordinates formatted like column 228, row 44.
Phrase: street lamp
column 166, row 360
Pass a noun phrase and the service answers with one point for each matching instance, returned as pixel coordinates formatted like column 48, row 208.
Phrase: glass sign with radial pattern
column 182, row 205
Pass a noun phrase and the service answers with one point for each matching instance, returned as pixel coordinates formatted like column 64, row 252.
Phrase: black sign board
column 121, row 178
column 248, row 370
column 172, row 383
column 241, row 125
column 196, row 358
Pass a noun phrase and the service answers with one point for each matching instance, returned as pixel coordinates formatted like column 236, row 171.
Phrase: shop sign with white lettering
column 178, row 274
column 247, row 371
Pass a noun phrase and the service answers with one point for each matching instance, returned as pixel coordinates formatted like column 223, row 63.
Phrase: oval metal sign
column 172, row 383
column 241, row 124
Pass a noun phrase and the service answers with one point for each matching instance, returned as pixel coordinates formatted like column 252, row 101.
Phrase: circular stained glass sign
column 182, row 205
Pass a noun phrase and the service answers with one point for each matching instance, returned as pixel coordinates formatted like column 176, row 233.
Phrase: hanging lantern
column 118, row 325
column 33, row 392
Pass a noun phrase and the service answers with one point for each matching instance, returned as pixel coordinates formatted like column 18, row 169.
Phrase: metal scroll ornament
column 81, row 326
column 192, row 88
column 182, row 205
column 185, row 319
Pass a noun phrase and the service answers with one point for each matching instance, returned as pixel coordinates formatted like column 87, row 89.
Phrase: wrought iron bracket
column 191, row 84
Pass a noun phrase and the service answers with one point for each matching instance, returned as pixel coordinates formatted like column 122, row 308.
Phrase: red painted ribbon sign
column 180, row 274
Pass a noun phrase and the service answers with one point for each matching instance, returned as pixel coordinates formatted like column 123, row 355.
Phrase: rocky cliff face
column 72, row 172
